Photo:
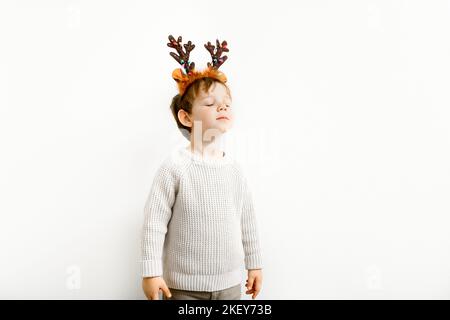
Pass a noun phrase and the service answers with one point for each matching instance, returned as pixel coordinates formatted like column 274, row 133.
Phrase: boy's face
column 213, row 109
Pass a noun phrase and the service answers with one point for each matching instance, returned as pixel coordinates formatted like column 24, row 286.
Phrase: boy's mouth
column 222, row 118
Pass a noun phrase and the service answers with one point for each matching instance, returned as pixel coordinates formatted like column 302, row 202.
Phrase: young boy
column 200, row 222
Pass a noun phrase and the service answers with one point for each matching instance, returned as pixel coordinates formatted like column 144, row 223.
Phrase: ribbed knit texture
column 200, row 224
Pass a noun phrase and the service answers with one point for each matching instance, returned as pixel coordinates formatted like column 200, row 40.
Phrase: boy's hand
column 254, row 282
column 152, row 285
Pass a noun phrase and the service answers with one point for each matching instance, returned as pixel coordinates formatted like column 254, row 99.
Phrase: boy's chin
column 222, row 129
column 225, row 127
column 218, row 130
column 225, row 130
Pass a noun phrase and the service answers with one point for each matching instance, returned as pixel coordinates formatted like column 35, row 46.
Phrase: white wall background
column 343, row 128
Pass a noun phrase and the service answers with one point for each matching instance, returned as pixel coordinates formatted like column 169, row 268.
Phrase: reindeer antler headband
column 187, row 74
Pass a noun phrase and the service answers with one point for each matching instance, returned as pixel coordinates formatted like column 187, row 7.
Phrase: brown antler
column 182, row 57
column 217, row 60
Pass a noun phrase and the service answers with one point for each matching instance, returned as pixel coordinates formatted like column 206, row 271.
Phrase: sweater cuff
column 253, row 261
column 151, row 268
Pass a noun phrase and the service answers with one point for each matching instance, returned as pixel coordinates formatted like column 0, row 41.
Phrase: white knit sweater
column 200, row 224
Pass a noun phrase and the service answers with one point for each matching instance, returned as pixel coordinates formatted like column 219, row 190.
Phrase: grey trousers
column 232, row 293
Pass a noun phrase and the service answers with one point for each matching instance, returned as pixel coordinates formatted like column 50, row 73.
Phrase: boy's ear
column 184, row 118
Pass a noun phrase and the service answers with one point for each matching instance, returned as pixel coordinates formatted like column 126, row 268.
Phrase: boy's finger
column 250, row 283
column 155, row 296
column 166, row 291
column 258, row 285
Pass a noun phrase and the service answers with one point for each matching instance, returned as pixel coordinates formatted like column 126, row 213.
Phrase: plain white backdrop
column 342, row 127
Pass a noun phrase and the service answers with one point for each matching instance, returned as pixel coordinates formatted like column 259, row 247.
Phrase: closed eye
column 209, row 105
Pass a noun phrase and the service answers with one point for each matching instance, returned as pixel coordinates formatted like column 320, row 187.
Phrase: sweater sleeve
column 157, row 214
column 249, row 231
